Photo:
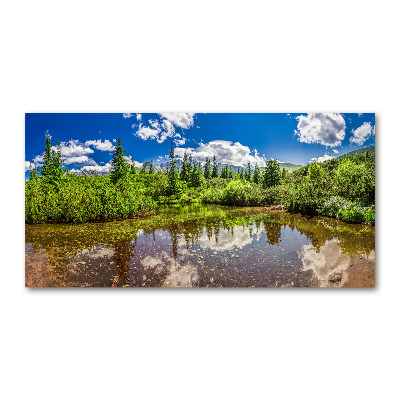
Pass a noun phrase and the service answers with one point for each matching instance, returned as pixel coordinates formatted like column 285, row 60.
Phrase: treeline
column 343, row 189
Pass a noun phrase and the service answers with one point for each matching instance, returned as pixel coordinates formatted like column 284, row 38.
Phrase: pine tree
column 53, row 168
column 172, row 173
column 133, row 168
column 151, row 170
column 247, row 174
column 256, row 175
column 185, row 169
column 215, row 172
column 230, row 172
column 207, row 169
column 272, row 174
column 284, row 173
column 119, row 166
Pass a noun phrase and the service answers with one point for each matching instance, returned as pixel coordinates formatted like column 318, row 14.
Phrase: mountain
column 370, row 149
column 289, row 166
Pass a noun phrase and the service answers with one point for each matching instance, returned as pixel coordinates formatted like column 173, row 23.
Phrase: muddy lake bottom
column 202, row 246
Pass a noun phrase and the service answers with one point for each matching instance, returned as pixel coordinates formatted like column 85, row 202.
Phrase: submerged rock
column 335, row 278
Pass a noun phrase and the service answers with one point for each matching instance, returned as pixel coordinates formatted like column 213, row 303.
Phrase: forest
column 340, row 188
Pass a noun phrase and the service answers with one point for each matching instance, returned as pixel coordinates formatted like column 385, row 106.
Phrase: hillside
column 370, row 149
column 289, row 166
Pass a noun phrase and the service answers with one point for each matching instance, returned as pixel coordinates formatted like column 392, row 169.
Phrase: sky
column 87, row 140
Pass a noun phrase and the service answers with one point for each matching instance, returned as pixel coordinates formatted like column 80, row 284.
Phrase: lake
column 202, row 246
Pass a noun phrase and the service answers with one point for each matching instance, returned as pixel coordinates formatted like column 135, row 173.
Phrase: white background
column 231, row 56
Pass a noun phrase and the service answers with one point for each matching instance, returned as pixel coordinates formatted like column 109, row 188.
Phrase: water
column 202, row 246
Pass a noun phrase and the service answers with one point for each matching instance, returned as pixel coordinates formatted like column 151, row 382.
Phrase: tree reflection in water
column 196, row 246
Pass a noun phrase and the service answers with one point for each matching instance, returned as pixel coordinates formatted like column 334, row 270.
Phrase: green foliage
column 174, row 186
column 53, row 169
column 347, row 210
column 185, row 176
column 82, row 199
column 207, row 169
column 272, row 174
column 247, row 174
column 215, row 172
column 119, row 167
column 355, row 181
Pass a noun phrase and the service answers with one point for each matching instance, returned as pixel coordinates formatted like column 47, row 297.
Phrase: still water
column 202, row 246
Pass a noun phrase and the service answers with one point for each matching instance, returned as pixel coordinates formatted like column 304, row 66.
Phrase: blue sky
column 87, row 140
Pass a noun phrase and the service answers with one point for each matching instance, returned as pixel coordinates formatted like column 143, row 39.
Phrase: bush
column 348, row 211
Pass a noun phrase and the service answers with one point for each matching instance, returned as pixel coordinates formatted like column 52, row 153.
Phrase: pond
column 202, row 246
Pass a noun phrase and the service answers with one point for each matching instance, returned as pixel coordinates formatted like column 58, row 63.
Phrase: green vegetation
column 341, row 188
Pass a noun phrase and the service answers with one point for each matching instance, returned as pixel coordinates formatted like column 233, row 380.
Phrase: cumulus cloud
column 99, row 145
column 226, row 152
column 183, row 120
column 73, row 149
column 336, row 151
column 29, row 164
column 145, row 132
column 77, row 160
column 129, row 160
column 327, row 129
column 362, row 134
column 323, row 158
column 139, row 117
column 127, row 115
column 180, row 142
column 97, row 168
column 164, row 128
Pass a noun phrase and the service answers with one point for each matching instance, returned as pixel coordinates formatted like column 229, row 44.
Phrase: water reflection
column 205, row 246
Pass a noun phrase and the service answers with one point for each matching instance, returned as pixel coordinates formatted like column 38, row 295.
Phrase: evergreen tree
column 230, row 172
column 256, row 175
column 247, row 174
column 215, row 172
column 284, row 173
column 53, row 168
column 185, row 169
column 172, row 173
column 133, row 168
column 119, row 166
column 33, row 172
column 151, row 170
column 207, row 169
column 197, row 176
column 143, row 171
column 224, row 172
column 272, row 174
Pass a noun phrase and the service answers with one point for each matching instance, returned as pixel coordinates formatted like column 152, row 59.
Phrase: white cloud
column 180, row 142
column 145, row 132
column 73, row 148
column 128, row 159
column 323, row 158
column 226, row 152
column 139, row 117
column 360, row 114
column 38, row 160
column 327, row 129
column 362, row 134
column 183, row 120
column 78, row 160
column 336, row 151
column 99, row 145
column 164, row 128
column 127, row 115
column 28, row 164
